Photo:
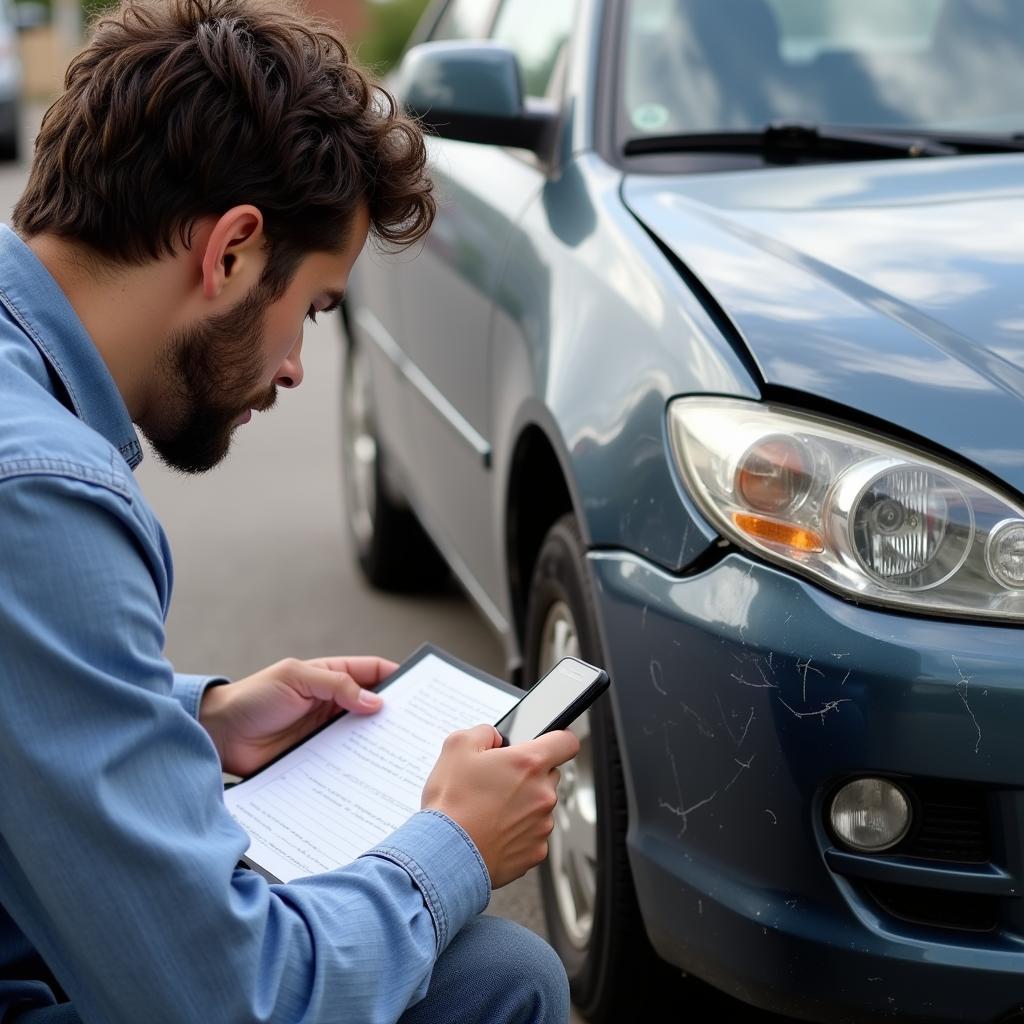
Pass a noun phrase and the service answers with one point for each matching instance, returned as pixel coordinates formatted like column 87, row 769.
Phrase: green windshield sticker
column 650, row 117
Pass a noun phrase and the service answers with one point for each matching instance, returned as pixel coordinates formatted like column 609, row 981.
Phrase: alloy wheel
column 573, row 843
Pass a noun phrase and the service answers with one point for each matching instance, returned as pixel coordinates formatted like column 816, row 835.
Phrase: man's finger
column 479, row 737
column 367, row 670
column 557, row 747
column 339, row 687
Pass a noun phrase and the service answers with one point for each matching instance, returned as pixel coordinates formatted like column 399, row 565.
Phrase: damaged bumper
column 744, row 698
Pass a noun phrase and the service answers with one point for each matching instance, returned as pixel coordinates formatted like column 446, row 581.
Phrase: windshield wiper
column 977, row 142
column 790, row 143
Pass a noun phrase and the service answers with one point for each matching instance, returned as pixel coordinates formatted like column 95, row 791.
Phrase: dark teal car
column 712, row 371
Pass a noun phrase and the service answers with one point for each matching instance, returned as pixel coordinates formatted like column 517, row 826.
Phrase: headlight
column 866, row 517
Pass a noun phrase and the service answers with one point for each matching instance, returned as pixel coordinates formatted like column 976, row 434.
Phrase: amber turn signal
column 774, row 532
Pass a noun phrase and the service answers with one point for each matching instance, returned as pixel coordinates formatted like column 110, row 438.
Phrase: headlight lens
column 911, row 528
column 865, row 516
column 774, row 475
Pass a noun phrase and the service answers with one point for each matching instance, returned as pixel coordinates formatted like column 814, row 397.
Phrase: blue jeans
column 494, row 972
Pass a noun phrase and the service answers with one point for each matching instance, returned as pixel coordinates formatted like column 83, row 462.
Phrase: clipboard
column 289, row 806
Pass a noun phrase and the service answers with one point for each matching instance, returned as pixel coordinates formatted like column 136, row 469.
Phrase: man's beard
column 211, row 374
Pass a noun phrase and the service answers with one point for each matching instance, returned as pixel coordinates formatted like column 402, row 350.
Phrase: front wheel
column 590, row 906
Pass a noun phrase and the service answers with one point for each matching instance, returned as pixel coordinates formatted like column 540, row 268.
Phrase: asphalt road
column 263, row 568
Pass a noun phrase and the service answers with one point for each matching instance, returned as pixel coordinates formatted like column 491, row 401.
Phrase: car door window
column 536, row 31
column 463, row 19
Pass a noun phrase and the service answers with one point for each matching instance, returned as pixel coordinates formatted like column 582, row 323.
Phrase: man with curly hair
column 204, row 183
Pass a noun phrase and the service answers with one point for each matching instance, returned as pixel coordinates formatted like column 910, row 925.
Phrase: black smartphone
column 554, row 702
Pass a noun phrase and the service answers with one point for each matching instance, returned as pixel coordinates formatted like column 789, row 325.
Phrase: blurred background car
column 711, row 372
column 13, row 17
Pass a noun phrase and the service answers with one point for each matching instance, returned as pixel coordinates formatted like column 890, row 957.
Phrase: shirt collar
column 43, row 312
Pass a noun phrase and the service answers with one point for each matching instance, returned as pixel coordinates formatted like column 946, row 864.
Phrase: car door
column 446, row 292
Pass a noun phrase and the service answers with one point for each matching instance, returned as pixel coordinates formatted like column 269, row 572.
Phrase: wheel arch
column 540, row 466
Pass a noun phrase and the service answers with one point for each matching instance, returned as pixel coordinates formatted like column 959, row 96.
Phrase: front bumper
column 743, row 697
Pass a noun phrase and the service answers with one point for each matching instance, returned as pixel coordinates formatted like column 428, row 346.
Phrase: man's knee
column 529, row 962
column 518, row 960
column 496, row 970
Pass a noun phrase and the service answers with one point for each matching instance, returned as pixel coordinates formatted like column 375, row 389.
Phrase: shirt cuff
column 189, row 690
column 445, row 865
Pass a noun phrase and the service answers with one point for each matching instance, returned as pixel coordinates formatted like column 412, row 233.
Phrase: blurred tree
column 90, row 8
column 390, row 24
column 378, row 34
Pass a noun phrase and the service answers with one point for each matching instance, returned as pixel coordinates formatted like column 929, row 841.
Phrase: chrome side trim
column 380, row 336
column 476, row 592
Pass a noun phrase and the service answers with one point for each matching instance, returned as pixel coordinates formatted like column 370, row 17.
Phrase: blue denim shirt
column 117, row 856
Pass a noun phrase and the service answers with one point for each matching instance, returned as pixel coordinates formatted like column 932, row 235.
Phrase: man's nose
column 289, row 374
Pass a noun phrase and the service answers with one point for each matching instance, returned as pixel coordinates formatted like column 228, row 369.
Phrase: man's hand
column 502, row 796
column 255, row 719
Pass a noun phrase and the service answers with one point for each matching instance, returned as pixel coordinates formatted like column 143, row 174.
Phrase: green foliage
column 390, row 24
column 92, row 8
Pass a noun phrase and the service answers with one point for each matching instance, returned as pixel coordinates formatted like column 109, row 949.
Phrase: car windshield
column 699, row 66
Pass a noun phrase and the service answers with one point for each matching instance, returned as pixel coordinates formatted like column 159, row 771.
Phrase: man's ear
column 235, row 253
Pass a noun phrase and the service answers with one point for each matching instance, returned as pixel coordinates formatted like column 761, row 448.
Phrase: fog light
column 870, row 815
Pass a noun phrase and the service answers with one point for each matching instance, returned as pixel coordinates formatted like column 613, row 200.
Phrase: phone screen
column 547, row 700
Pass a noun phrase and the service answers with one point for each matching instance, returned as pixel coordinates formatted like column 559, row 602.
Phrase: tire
column 391, row 547
column 614, row 974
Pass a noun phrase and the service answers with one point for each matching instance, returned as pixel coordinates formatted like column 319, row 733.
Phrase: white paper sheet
column 354, row 783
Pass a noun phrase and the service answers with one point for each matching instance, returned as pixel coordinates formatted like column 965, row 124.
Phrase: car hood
column 894, row 288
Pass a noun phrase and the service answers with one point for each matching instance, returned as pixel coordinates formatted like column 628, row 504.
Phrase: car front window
column 737, row 65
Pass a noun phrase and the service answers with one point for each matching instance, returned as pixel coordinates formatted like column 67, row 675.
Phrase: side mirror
column 473, row 92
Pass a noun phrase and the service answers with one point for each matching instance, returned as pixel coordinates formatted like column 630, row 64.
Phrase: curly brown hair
column 178, row 109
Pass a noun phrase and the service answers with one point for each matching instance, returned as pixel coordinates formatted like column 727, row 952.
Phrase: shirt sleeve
column 188, row 690
column 118, row 857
